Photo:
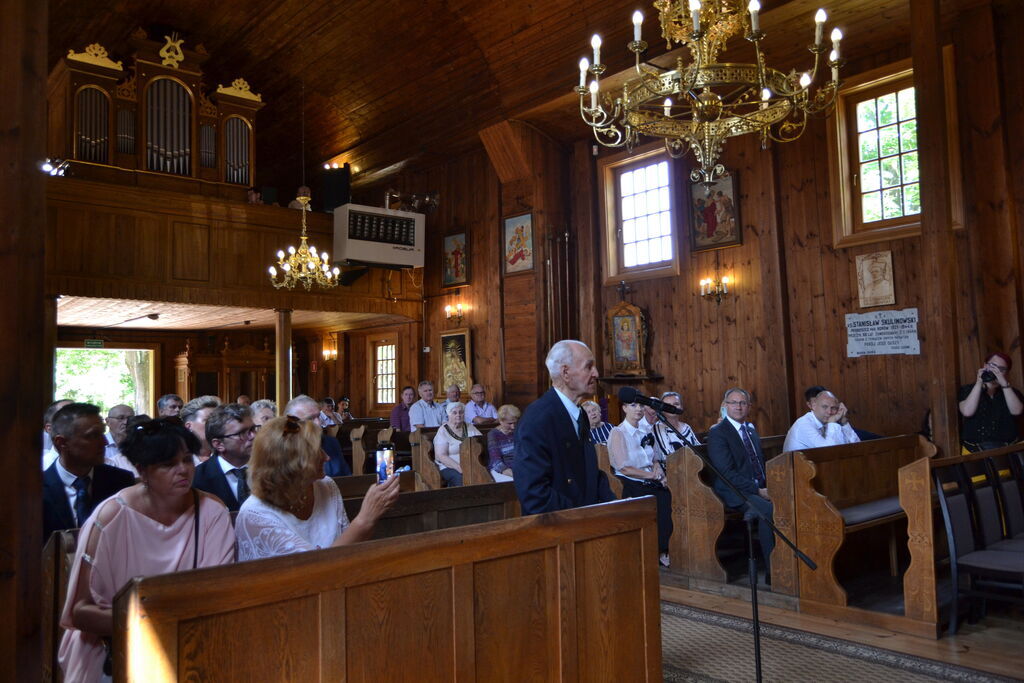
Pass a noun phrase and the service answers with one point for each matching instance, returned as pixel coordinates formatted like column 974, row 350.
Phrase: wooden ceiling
column 74, row 311
column 389, row 84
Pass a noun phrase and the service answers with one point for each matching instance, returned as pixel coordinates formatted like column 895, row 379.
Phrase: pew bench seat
column 873, row 513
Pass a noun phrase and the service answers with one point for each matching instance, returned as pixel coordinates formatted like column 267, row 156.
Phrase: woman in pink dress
column 157, row 526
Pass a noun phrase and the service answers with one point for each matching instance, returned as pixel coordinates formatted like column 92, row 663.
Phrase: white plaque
column 882, row 333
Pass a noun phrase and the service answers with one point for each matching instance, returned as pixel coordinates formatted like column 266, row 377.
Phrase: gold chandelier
column 304, row 265
column 698, row 106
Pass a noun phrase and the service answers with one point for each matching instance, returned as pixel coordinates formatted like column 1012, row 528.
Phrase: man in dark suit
column 734, row 447
column 306, row 408
column 78, row 480
column 230, row 432
column 556, row 466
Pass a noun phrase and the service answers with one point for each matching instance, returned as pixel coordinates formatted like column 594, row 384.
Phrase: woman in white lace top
column 293, row 506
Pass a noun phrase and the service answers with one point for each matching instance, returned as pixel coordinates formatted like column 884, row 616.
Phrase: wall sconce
column 330, row 353
column 453, row 313
column 712, row 288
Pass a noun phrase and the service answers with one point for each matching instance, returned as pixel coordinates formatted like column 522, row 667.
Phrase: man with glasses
column 117, row 431
column 734, row 448
column 230, row 432
column 990, row 407
column 479, row 412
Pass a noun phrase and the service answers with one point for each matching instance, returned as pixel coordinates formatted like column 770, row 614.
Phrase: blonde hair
column 508, row 412
column 284, row 462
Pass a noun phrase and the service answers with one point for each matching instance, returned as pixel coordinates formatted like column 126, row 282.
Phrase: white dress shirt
column 49, row 457
column 572, row 408
column 115, row 458
column 474, row 411
column 232, row 477
column 69, row 487
column 426, row 414
column 809, row 432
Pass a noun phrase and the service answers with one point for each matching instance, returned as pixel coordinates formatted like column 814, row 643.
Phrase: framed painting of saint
column 455, row 272
column 714, row 215
column 517, row 244
column 627, row 339
column 456, row 359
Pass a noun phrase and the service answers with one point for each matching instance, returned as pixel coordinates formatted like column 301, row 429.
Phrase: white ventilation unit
column 372, row 235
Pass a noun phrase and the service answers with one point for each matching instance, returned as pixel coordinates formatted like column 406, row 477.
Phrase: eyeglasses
column 737, row 403
column 1000, row 368
column 247, row 433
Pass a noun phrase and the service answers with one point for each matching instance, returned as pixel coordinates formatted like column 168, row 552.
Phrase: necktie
column 243, row 484
column 583, row 426
column 755, row 462
column 82, row 507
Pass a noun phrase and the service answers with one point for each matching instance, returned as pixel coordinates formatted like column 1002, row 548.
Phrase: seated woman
column 665, row 439
column 447, row 441
column 293, row 506
column 632, row 455
column 501, row 443
column 157, row 526
column 263, row 411
column 599, row 430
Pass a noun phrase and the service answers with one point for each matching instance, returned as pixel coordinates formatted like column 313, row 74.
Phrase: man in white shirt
column 825, row 424
column 453, row 394
column 424, row 412
column 117, row 432
column 479, row 412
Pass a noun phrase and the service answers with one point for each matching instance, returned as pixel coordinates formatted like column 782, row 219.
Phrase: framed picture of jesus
column 714, row 215
column 517, row 245
column 455, row 272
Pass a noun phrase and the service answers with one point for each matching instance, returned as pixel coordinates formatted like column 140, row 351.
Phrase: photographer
column 989, row 407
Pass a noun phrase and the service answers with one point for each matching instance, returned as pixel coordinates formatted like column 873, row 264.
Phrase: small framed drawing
column 627, row 339
column 456, row 360
column 456, row 260
column 517, row 246
column 874, row 279
column 714, row 215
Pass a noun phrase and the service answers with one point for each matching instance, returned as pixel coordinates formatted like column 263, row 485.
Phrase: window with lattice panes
column 385, row 372
column 888, row 176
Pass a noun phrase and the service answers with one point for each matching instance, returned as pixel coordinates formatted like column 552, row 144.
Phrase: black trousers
column 636, row 489
column 451, row 477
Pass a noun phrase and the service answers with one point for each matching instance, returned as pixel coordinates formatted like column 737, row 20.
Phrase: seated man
column 78, row 480
column 400, row 413
column 306, row 408
column 424, row 412
column 453, row 394
column 230, row 432
column 479, row 412
column 734, row 448
column 117, row 431
column 169, row 405
column 49, row 452
column 824, row 425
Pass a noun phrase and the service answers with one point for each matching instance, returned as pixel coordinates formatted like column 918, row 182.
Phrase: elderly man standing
column 556, row 465
column 734, row 448
column 479, row 412
column 825, row 424
column 424, row 412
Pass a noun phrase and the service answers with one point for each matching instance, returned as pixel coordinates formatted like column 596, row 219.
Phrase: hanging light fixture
column 698, row 106
column 304, row 265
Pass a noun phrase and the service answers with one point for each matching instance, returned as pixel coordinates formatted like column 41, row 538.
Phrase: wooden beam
column 938, row 256
column 504, row 147
column 283, row 358
column 23, row 33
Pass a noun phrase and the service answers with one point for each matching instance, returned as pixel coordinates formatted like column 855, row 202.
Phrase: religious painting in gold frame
column 627, row 339
column 456, row 360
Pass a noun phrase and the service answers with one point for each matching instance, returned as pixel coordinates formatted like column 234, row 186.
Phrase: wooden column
column 939, row 331
column 50, row 345
column 283, row 357
column 23, row 32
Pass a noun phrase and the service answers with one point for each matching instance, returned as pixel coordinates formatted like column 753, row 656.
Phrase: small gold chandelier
column 699, row 105
column 304, row 265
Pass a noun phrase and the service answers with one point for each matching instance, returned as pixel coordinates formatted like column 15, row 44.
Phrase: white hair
column 448, row 407
column 561, row 355
column 299, row 400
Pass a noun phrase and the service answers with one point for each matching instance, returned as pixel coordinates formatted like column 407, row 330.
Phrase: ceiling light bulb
column 336, row 271
column 820, row 16
column 280, row 254
column 766, row 94
column 805, row 80
column 291, row 250
column 327, row 167
column 837, row 35
column 47, row 166
column 273, row 271
column 286, row 267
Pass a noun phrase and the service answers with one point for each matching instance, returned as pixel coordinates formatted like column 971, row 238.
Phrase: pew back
column 473, row 458
column 355, row 486
column 535, row 598
column 58, row 555
column 605, row 465
column 421, row 443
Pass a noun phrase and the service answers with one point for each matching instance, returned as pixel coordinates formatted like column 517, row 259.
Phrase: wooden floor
column 993, row 645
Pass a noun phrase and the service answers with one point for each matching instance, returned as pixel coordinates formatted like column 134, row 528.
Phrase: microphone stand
column 749, row 515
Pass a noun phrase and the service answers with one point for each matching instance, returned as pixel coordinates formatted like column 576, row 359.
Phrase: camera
column 988, row 376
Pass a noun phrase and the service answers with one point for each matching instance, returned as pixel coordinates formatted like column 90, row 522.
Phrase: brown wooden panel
column 190, row 251
column 785, row 572
column 410, row 614
column 210, row 645
column 523, row 580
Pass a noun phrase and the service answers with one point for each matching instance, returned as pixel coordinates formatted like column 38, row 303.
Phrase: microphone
column 631, row 395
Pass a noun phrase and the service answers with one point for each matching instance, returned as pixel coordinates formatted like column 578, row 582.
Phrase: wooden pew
column 837, row 491
column 918, row 500
column 605, row 465
column 533, row 598
column 400, row 440
column 355, row 486
column 474, row 460
column 344, row 437
column 58, row 555
column 421, row 443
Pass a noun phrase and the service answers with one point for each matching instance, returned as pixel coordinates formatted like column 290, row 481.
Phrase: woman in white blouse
column 293, row 506
column 632, row 456
column 449, row 440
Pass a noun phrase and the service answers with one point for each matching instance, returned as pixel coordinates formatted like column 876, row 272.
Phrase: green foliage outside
column 104, row 377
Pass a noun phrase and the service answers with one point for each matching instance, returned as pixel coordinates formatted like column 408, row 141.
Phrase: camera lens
column 988, row 376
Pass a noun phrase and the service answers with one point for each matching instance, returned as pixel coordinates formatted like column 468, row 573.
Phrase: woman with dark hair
column 293, row 506
column 157, row 526
column 990, row 407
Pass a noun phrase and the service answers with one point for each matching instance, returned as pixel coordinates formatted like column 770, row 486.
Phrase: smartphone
column 385, row 463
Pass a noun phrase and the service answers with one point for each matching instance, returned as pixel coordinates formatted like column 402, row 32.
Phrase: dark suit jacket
column 210, row 477
column 548, row 456
column 338, row 466
column 726, row 451
column 57, row 512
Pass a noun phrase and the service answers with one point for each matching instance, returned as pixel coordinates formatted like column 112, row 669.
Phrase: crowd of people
column 156, row 495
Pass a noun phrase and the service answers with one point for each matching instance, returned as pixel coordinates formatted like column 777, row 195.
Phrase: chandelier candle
column 638, row 19
column 819, row 27
column 754, row 7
